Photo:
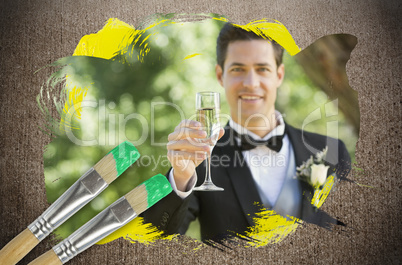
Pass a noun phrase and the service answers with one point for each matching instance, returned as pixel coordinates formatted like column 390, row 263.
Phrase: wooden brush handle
column 49, row 258
column 17, row 248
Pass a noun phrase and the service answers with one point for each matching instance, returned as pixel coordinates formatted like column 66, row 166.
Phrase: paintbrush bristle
column 138, row 199
column 106, row 168
column 148, row 193
column 117, row 161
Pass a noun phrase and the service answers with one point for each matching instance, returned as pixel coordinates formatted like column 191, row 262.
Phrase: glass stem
column 208, row 170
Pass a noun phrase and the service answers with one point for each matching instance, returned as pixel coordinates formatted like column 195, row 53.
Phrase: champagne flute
column 207, row 106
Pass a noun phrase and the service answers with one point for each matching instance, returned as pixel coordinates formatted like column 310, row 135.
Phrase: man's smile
column 250, row 98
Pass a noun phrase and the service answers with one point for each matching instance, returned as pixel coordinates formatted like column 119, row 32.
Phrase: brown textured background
column 35, row 33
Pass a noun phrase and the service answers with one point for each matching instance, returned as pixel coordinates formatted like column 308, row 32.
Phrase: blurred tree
column 324, row 62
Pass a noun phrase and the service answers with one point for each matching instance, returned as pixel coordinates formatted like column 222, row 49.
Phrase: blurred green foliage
column 142, row 102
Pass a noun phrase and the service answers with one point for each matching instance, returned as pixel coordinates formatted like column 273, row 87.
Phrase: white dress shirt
column 268, row 168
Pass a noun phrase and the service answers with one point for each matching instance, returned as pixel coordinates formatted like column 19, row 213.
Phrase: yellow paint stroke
column 272, row 30
column 113, row 37
column 72, row 106
column 137, row 231
column 321, row 195
column 198, row 247
column 191, row 56
column 117, row 37
column 270, row 228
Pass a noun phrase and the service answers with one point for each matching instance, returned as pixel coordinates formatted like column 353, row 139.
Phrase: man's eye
column 263, row 69
column 237, row 69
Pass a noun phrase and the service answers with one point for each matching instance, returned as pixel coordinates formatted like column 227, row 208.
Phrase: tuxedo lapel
column 241, row 178
column 299, row 148
column 301, row 155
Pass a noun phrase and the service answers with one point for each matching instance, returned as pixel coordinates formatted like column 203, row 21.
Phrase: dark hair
column 230, row 33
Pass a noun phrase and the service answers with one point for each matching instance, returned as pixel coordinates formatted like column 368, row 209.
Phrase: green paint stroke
column 360, row 170
column 125, row 154
column 157, row 187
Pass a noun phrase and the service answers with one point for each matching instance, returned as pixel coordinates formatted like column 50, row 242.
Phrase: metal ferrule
column 80, row 193
column 109, row 220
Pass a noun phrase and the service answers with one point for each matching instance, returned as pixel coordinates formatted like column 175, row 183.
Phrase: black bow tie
column 247, row 142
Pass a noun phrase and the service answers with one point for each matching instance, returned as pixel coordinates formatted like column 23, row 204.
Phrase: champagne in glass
column 208, row 117
column 208, row 105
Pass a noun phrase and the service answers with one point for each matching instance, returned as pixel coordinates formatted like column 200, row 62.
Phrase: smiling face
column 250, row 78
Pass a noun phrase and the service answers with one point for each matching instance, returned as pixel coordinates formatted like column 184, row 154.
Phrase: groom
column 256, row 157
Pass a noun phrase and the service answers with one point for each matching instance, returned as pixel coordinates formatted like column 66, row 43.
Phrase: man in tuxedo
column 256, row 156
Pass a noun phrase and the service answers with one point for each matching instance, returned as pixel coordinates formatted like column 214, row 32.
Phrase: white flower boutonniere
column 318, row 174
column 314, row 171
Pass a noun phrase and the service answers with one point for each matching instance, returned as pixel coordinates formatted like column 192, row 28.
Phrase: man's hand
column 187, row 148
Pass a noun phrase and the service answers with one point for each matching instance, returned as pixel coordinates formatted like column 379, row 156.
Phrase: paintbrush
column 109, row 220
column 93, row 182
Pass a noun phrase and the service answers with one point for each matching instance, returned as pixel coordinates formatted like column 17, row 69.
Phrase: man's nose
column 251, row 80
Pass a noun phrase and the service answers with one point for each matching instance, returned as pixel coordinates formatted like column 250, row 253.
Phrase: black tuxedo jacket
column 223, row 213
